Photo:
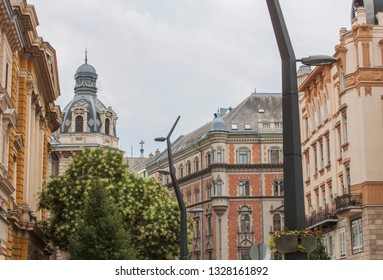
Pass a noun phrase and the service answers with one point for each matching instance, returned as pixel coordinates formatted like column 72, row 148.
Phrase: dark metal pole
column 181, row 203
column 292, row 162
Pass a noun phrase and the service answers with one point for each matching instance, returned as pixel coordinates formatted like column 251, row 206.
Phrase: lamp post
column 292, row 163
column 181, row 204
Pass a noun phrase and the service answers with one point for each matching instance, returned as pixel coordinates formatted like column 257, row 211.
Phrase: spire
column 142, row 148
column 86, row 55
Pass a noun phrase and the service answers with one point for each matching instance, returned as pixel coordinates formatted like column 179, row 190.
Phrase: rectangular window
column 348, row 179
column 274, row 156
column 315, row 160
column 342, row 242
column 307, row 157
column 243, row 156
column 321, row 155
column 306, row 122
column 344, row 126
column 340, row 144
column 328, row 150
column 6, row 76
column 331, row 245
column 208, row 191
column 219, row 155
column 357, row 236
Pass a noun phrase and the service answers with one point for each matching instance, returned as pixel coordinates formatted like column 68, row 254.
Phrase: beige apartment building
column 29, row 86
column 341, row 112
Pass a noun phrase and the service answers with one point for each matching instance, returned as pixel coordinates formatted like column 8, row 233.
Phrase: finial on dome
column 86, row 55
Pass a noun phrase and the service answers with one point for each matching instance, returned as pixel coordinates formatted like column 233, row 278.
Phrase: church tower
column 87, row 122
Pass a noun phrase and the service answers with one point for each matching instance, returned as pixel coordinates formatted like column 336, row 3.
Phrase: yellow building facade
column 28, row 115
column 341, row 126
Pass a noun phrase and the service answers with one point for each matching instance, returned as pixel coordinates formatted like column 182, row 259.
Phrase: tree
column 150, row 214
column 100, row 234
column 320, row 252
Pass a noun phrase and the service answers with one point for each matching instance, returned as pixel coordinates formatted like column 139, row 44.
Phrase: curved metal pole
column 181, row 203
column 292, row 162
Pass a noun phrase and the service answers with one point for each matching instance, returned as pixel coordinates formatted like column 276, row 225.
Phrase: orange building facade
column 231, row 176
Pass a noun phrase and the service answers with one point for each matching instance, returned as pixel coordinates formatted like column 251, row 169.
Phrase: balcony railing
column 322, row 219
column 348, row 201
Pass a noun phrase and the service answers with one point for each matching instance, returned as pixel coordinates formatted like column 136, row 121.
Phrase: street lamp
column 181, row 204
column 292, row 163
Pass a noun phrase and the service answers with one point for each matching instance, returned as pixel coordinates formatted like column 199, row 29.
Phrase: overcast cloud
column 157, row 59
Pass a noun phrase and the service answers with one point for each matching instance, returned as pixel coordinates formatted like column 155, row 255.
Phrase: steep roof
column 250, row 116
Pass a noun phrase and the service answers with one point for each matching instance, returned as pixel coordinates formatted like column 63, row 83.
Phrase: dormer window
column 79, row 124
column 107, row 126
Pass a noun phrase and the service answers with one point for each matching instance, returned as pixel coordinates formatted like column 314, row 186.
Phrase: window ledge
column 328, row 166
column 345, row 146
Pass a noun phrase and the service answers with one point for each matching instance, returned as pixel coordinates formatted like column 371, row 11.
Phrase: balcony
column 322, row 219
column 348, row 205
column 220, row 204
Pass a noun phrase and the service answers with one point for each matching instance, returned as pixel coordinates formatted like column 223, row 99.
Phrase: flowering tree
column 150, row 215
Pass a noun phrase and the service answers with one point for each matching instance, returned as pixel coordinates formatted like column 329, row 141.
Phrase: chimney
column 157, row 153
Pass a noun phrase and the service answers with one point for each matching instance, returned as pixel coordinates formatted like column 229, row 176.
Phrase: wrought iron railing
column 321, row 217
column 348, row 201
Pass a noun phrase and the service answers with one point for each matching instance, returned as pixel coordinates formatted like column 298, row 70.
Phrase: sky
column 160, row 59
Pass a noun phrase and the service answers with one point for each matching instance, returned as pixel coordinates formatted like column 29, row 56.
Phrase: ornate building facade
column 231, row 176
column 29, row 86
column 87, row 122
column 341, row 123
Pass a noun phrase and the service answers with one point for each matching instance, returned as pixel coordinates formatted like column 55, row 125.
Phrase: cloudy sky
column 157, row 59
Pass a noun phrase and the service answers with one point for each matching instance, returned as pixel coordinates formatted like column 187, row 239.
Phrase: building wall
column 229, row 237
column 29, row 84
column 342, row 105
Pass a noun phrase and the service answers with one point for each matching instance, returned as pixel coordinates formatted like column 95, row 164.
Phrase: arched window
column 208, row 191
column 278, row 187
column 79, row 124
column 244, row 188
column 209, row 226
column 245, row 223
column 218, row 188
column 107, row 126
column 196, row 164
column 188, row 168
column 276, row 222
column 181, row 171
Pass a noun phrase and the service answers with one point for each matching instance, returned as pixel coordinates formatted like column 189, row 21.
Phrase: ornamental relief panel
column 364, row 76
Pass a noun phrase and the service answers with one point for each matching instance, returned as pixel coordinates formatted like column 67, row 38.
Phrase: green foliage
column 100, row 232
column 320, row 252
column 149, row 213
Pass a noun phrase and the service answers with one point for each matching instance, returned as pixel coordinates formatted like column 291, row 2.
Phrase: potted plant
column 287, row 241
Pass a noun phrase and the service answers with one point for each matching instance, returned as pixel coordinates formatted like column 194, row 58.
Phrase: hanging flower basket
column 286, row 243
column 309, row 243
column 289, row 241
